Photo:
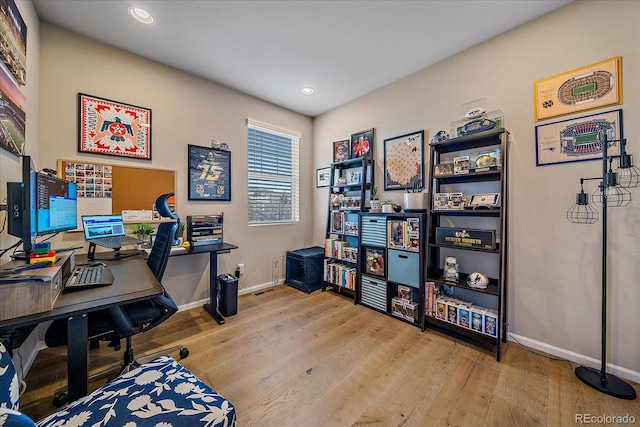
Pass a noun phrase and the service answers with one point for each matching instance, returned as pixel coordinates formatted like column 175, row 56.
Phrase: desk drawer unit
column 403, row 267
column 374, row 293
column 373, row 230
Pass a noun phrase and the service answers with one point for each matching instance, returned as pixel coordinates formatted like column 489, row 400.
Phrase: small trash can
column 228, row 294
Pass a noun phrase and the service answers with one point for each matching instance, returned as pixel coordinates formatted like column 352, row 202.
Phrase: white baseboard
column 574, row 357
column 244, row 291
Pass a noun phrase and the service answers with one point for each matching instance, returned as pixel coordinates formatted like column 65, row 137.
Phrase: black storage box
column 304, row 268
column 228, row 295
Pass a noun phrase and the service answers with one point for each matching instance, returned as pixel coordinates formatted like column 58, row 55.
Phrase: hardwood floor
column 292, row 359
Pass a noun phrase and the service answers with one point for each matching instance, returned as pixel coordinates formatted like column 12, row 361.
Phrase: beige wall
column 554, row 266
column 185, row 110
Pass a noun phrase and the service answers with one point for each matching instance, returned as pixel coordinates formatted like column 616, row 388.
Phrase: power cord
column 546, row 356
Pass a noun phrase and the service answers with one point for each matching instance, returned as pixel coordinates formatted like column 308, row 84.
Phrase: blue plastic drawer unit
column 304, row 268
column 403, row 267
column 374, row 293
column 373, row 230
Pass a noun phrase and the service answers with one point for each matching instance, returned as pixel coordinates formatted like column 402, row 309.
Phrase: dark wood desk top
column 202, row 249
column 133, row 281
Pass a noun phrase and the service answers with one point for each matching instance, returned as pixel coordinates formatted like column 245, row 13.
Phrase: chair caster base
column 60, row 400
column 184, row 352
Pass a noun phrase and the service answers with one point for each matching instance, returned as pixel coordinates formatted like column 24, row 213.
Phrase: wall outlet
column 240, row 268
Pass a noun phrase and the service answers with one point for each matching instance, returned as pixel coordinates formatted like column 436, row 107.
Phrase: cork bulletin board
column 107, row 189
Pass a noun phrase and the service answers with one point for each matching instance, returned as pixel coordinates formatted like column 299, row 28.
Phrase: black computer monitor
column 56, row 205
column 21, row 202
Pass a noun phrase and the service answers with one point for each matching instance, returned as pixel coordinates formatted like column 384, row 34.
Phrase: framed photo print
column 113, row 128
column 13, row 114
column 341, row 151
column 323, row 175
column 362, row 144
column 403, row 161
column 578, row 139
column 209, row 174
column 593, row 86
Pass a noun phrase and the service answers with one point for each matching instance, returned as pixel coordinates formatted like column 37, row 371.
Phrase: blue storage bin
column 403, row 267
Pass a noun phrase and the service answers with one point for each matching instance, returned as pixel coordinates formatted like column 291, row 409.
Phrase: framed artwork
column 362, row 144
column 404, row 161
column 586, row 88
column 13, row 113
column 14, row 47
column 209, row 174
column 341, row 151
column 113, row 128
column 323, row 175
column 578, row 139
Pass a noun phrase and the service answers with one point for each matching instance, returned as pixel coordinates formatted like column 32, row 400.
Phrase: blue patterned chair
column 159, row 393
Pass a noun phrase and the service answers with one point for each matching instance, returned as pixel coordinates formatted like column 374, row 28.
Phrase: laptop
column 107, row 231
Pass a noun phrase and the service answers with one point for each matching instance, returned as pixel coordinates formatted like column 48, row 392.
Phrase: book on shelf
column 328, row 246
column 339, row 274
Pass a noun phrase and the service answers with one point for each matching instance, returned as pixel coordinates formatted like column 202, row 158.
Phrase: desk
column 133, row 282
column 213, row 250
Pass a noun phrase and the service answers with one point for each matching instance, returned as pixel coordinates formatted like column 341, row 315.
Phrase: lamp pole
column 600, row 380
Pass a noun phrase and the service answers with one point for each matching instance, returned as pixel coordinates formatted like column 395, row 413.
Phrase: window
column 273, row 181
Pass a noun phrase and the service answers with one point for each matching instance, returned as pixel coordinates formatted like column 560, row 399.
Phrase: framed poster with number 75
column 209, row 174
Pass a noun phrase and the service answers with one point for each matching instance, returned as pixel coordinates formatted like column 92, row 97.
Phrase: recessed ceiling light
column 308, row 90
column 141, row 15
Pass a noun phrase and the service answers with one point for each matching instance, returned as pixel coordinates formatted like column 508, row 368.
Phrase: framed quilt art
column 113, row 128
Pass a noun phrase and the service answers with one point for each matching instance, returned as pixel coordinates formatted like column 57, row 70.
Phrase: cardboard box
column 491, row 323
column 464, row 316
column 477, row 319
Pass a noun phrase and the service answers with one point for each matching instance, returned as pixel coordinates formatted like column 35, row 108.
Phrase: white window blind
column 273, row 179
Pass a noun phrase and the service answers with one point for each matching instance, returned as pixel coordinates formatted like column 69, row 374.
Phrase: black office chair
column 124, row 321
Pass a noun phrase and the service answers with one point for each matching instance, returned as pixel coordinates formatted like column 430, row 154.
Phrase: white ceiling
column 271, row 49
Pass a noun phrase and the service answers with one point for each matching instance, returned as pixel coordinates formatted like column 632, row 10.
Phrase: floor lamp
column 612, row 192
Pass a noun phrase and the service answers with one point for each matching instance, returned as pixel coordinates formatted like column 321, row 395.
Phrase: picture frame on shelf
column 586, row 88
column 374, row 261
column 403, row 161
column 113, row 128
column 341, row 151
column 578, row 139
column 323, row 177
column 209, row 174
column 362, row 144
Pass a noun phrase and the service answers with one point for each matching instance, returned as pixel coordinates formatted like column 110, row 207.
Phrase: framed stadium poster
column 578, row 139
column 209, row 174
column 594, row 86
column 113, row 128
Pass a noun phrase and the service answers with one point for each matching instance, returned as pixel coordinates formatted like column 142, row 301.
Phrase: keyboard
column 89, row 276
